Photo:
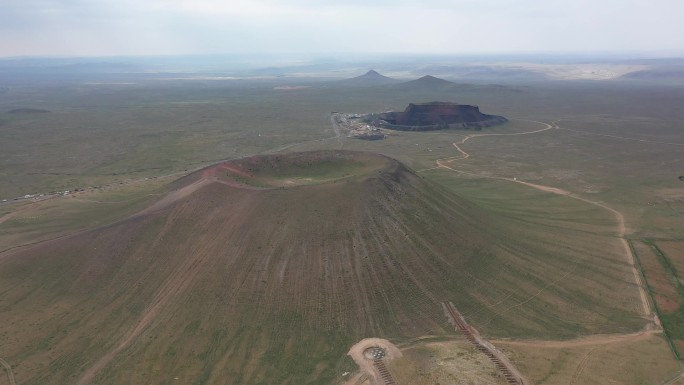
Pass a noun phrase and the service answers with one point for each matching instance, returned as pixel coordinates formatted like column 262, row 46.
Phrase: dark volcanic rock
column 436, row 116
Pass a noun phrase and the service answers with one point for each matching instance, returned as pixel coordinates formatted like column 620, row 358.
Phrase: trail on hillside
column 445, row 163
column 178, row 282
column 38, row 197
column 79, row 199
column 174, row 196
column 162, row 203
column 336, row 129
column 37, row 202
column 175, row 284
column 8, row 216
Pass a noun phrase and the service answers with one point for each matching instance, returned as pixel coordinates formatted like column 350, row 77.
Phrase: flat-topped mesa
column 436, row 116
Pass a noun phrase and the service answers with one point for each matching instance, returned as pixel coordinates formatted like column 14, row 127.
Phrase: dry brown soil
column 365, row 365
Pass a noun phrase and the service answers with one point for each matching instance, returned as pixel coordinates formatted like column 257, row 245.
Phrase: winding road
column 8, row 370
column 446, row 163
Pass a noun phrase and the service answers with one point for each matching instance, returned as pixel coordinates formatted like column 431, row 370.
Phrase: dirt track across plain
column 585, row 341
column 8, row 370
column 621, row 228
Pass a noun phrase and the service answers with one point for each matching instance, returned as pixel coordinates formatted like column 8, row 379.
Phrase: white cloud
column 100, row 27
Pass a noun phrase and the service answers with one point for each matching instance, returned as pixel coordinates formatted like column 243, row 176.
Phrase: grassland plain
column 644, row 360
column 549, row 250
column 673, row 250
column 445, row 362
column 32, row 221
column 665, row 285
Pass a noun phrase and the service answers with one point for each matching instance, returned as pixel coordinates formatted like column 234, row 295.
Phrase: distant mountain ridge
column 374, row 78
column 427, row 82
column 370, row 78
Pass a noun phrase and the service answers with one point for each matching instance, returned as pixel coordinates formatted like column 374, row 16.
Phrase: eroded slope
column 238, row 278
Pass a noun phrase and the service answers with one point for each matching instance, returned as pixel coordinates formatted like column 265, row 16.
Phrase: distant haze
column 153, row 27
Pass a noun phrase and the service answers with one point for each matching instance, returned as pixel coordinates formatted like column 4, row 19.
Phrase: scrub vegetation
column 224, row 232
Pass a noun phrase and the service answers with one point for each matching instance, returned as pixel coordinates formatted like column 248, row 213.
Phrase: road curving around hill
column 447, row 164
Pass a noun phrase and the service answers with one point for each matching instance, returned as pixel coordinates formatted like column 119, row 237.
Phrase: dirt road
column 336, row 129
column 603, row 339
column 175, row 284
column 678, row 379
column 445, row 163
column 8, row 370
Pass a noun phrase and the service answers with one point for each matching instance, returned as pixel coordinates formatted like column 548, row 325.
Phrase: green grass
column 278, row 284
column 533, row 264
column 37, row 221
column 667, row 264
column 672, row 322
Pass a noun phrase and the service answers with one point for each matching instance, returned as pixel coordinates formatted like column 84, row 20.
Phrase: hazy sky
column 132, row 27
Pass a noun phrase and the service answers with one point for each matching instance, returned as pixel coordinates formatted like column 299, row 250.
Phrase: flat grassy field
column 665, row 286
column 445, row 363
column 642, row 361
column 32, row 221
